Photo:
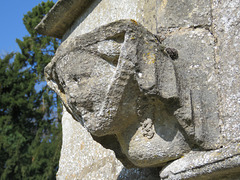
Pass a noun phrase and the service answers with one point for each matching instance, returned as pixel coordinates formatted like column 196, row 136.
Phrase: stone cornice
column 61, row 17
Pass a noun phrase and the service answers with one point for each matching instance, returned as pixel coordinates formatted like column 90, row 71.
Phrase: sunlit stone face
column 85, row 79
column 119, row 82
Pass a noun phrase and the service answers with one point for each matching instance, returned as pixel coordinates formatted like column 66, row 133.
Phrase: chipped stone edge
column 204, row 164
column 61, row 16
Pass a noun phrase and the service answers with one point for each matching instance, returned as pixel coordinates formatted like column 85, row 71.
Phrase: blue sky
column 11, row 24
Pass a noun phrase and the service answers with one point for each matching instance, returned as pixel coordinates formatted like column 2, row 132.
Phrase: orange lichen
column 82, row 146
column 135, row 22
column 149, row 58
column 63, row 96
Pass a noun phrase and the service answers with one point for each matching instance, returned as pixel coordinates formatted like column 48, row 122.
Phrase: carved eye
column 109, row 49
column 78, row 77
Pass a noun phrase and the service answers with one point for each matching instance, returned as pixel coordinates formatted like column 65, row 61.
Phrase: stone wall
column 207, row 37
column 83, row 158
column 90, row 160
column 102, row 12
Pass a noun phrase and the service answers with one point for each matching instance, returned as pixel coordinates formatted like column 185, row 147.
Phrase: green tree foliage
column 30, row 113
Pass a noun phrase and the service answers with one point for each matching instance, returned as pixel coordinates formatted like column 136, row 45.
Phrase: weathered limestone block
column 226, row 28
column 221, row 164
column 84, row 159
column 75, row 162
column 146, row 102
column 184, row 13
column 209, row 51
column 195, row 69
column 154, row 106
column 120, row 84
column 102, row 12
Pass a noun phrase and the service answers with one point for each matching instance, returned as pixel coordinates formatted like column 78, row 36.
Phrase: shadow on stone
column 139, row 174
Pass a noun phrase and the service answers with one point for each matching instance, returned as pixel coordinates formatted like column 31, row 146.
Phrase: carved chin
column 154, row 152
column 147, row 156
column 139, row 159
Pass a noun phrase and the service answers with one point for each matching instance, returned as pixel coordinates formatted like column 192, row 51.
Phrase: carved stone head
column 120, row 83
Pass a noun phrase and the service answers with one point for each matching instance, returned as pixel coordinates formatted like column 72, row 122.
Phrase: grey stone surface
column 221, row 57
column 218, row 164
column 96, row 74
column 226, row 29
column 82, row 158
column 61, row 16
column 99, row 164
column 102, row 12
column 198, row 83
column 203, row 81
column 174, row 107
column 184, row 13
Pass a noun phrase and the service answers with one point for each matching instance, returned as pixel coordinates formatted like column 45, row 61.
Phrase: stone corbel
column 133, row 95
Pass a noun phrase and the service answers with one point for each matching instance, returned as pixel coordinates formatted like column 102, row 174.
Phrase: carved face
column 85, row 79
column 118, row 81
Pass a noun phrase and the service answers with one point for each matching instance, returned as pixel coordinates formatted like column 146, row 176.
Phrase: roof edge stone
column 61, row 16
